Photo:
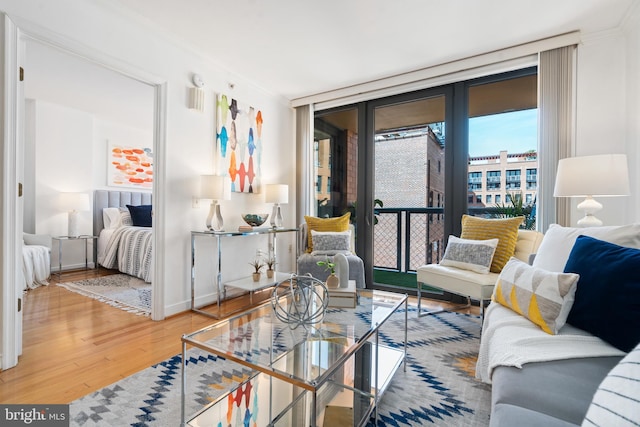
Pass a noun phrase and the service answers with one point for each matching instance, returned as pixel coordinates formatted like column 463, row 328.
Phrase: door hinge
column 19, row 305
column 19, row 189
column 21, row 74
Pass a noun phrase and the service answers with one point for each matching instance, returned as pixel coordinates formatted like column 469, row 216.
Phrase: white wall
column 631, row 30
column 604, row 120
column 190, row 134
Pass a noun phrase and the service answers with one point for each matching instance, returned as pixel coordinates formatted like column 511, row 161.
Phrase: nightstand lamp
column 74, row 203
column 214, row 188
column 276, row 194
column 603, row 175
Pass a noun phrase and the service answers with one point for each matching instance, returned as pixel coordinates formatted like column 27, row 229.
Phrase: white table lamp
column 74, row 203
column 603, row 175
column 214, row 188
column 276, row 194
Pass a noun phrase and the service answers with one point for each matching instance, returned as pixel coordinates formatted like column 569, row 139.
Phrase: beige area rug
column 119, row 290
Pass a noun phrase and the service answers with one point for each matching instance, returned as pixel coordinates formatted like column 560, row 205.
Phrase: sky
column 515, row 132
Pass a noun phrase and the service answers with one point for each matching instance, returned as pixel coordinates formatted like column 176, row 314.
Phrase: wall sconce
column 73, row 203
column 589, row 176
column 196, row 94
column 215, row 188
column 276, row 194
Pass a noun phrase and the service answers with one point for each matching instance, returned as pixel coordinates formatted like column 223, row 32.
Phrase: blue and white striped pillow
column 617, row 400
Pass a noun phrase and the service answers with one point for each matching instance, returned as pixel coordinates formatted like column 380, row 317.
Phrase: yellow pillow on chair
column 325, row 224
column 505, row 230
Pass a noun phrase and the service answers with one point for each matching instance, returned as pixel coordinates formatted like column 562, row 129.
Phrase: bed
column 122, row 245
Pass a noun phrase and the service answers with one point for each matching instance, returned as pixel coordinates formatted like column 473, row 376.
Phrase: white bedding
column 127, row 249
column 36, row 265
column 509, row 339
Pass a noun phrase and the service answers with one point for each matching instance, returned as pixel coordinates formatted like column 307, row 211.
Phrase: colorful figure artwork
column 239, row 139
column 130, row 166
column 244, row 414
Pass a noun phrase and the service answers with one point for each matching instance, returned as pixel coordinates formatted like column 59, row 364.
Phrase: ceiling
column 296, row 48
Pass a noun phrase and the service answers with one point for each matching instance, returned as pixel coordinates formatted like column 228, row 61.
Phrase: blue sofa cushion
column 607, row 301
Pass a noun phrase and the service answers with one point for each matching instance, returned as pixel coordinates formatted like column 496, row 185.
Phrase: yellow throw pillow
column 325, row 224
column 505, row 230
column 544, row 297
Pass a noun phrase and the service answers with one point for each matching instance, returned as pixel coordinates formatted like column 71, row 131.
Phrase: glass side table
column 86, row 239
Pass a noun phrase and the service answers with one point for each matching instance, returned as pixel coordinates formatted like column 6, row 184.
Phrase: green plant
column 516, row 207
column 270, row 263
column 352, row 208
column 257, row 265
column 328, row 265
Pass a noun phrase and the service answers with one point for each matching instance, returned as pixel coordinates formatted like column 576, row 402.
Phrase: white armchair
column 36, row 259
column 469, row 284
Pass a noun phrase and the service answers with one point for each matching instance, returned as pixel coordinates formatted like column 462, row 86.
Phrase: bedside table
column 83, row 238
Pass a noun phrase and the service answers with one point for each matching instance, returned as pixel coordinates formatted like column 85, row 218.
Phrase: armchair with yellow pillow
column 322, row 238
column 472, row 262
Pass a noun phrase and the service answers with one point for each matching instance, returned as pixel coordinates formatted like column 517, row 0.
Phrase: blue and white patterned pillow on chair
column 331, row 242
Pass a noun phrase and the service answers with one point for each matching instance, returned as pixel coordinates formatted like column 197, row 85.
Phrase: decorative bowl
column 255, row 220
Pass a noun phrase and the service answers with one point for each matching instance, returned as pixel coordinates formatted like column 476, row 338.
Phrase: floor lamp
column 603, row 175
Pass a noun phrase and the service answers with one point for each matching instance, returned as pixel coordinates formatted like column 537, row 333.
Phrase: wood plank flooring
column 74, row 345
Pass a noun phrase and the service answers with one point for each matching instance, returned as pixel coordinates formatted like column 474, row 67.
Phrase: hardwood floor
column 74, row 345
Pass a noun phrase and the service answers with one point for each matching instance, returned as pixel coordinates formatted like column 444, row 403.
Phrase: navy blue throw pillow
column 140, row 215
column 607, row 302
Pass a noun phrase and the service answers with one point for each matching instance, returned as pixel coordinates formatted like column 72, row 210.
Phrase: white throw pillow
column 617, row 400
column 558, row 241
column 331, row 242
column 473, row 255
column 111, row 218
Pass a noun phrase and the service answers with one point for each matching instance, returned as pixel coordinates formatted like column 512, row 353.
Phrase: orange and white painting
column 130, row 166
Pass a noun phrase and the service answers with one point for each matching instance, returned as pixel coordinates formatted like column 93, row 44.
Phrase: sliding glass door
column 405, row 168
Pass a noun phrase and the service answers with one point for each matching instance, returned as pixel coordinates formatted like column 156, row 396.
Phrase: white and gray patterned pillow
column 331, row 242
column 473, row 255
column 125, row 217
column 617, row 400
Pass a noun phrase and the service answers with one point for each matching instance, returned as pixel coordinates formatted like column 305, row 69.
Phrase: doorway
column 15, row 48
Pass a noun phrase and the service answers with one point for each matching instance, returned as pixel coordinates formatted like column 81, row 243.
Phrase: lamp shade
column 276, row 193
column 601, row 175
column 214, row 187
column 74, row 202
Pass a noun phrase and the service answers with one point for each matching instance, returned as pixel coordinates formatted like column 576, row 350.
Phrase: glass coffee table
column 330, row 373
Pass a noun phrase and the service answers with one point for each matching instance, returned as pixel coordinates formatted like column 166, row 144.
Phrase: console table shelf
column 245, row 284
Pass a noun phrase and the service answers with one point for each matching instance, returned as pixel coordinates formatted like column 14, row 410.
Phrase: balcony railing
column 406, row 238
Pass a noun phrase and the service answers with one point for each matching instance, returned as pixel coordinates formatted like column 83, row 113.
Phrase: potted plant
column 270, row 263
column 257, row 266
column 332, row 280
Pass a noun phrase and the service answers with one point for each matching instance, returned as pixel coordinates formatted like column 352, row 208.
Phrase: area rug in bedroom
column 118, row 290
column 437, row 389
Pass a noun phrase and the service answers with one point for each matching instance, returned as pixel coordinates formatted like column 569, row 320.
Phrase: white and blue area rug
column 118, row 290
column 437, row 389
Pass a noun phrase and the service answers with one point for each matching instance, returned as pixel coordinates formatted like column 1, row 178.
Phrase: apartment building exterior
column 493, row 179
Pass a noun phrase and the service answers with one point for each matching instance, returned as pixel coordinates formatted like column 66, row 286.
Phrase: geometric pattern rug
column 118, row 290
column 437, row 389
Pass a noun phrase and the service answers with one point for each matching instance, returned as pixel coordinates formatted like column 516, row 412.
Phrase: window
column 329, row 185
column 513, row 179
column 488, row 199
column 498, row 199
column 493, row 180
column 532, row 179
column 528, row 198
column 318, row 183
column 475, row 181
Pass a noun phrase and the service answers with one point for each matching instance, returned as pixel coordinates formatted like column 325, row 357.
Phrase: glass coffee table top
column 257, row 339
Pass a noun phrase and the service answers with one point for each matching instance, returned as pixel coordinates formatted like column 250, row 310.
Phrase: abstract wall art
column 239, row 143
column 129, row 166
